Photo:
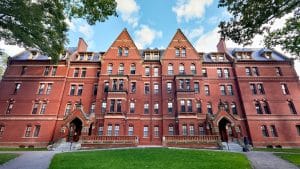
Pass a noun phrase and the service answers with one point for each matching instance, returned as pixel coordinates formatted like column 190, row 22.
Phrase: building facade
column 151, row 94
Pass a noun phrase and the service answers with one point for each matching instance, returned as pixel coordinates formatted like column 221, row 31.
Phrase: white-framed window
column 37, row 130
column 35, row 108
column 156, row 131
column 184, row 130
column 109, row 130
column 68, row 108
column 193, row 69
column 132, row 107
column 170, row 107
column 117, row 130
column 181, row 68
column 156, row 88
column 126, row 51
column 121, row 69
column 226, row 73
column 109, row 68
column 132, row 68
column 146, row 108
column 43, row 108
column 49, row 88
column 192, row 130
column 156, row 108
column 147, row 71
column 284, row 89
column 28, row 130
column 183, row 52
column 146, row 131
column 41, row 88
column 100, row 130
column 156, row 71
column 103, row 107
column 170, row 69
column 169, row 87
column 130, row 130
column 171, row 130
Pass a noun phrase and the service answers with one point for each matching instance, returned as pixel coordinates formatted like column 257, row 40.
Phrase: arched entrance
column 75, row 130
column 225, row 129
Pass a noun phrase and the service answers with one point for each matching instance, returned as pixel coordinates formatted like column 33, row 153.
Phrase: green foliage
column 150, row 158
column 293, row 158
column 253, row 17
column 41, row 23
column 6, row 157
column 3, row 61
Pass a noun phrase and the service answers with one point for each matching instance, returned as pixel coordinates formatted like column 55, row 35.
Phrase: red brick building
column 152, row 96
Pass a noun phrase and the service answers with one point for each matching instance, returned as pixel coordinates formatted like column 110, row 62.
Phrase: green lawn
column 293, row 158
column 287, row 150
column 22, row 149
column 150, row 158
column 6, row 157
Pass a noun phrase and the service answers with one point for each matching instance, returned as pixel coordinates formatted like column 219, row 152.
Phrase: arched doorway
column 224, row 129
column 75, row 130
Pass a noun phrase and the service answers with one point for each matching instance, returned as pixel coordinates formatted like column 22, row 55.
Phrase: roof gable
column 123, row 42
column 178, row 43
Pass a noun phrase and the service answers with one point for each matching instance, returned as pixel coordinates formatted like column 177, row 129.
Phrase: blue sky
column 152, row 23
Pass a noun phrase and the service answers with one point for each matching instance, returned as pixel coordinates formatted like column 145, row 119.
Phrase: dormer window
column 213, row 57
column 221, row 58
column 90, row 57
column 268, row 55
column 81, row 56
column 147, row 56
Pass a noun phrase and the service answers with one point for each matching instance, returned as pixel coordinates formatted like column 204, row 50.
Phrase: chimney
column 82, row 45
column 221, row 46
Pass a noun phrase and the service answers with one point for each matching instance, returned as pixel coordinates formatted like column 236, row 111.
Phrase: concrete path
column 266, row 160
column 30, row 160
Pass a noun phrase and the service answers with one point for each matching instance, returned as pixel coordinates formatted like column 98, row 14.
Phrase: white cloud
column 190, row 9
column 86, row 30
column 11, row 50
column 82, row 27
column 70, row 24
column 128, row 10
column 145, row 36
column 194, row 33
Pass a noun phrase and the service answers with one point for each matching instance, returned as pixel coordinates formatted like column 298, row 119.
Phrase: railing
column 109, row 139
column 192, row 139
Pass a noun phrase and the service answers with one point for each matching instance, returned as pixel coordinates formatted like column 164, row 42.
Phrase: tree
column 3, row 61
column 253, row 17
column 42, row 24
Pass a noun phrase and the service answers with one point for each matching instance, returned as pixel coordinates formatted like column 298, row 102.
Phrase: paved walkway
column 266, row 160
column 30, row 160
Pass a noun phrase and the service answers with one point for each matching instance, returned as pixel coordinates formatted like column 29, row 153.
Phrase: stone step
column 232, row 147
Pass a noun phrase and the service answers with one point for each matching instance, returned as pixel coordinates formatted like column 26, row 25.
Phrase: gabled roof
column 177, row 40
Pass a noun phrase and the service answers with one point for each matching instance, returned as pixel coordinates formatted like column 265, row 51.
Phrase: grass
column 287, row 150
column 150, row 158
column 6, row 157
column 293, row 158
column 22, row 149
